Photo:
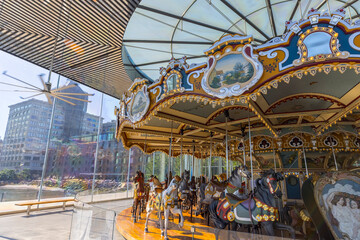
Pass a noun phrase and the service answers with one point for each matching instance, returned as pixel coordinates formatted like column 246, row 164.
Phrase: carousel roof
column 161, row 29
column 297, row 88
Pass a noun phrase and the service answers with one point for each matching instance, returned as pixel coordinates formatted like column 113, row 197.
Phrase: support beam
column 189, row 122
column 166, row 42
column 235, row 10
column 349, row 4
column 304, row 113
column 162, row 61
column 341, row 114
column 261, row 113
column 184, row 19
column 164, row 134
column 192, row 132
column 300, row 120
column 271, row 17
column 244, row 120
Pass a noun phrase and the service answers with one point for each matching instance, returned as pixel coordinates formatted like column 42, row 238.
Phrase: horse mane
column 156, row 181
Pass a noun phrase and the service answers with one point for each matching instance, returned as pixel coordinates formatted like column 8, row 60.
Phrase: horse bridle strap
column 268, row 180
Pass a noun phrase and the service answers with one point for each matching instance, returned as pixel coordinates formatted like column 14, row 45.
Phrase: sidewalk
column 11, row 208
column 54, row 224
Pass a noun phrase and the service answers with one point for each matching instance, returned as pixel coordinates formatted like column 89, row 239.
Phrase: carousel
column 282, row 111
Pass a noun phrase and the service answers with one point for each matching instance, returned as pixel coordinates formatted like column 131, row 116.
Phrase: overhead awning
column 88, row 37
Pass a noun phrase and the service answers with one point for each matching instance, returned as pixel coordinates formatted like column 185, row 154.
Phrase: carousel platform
column 195, row 228
column 135, row 231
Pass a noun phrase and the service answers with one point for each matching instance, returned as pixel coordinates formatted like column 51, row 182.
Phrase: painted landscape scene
column 233, row 68
column 139, row 103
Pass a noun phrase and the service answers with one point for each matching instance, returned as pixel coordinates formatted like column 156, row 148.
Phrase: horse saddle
column 248, row 203
column 234, row 200
column 219, row 185
column 233, row 197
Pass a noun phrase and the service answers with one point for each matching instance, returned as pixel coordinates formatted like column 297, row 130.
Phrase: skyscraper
column 74, row 114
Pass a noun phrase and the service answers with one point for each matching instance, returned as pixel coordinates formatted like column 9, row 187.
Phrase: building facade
column 27, row 130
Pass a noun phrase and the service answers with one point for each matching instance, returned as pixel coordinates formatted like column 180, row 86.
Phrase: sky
column 29, row 73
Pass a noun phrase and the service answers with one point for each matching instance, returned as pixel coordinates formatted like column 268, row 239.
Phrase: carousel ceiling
column 162, row 29
column 297, row 90
column 88, row 36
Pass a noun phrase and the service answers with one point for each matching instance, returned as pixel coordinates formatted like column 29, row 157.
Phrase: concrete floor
column 55, row 224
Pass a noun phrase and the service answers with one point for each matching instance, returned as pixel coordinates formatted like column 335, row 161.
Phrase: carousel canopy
column 161, row 29
column 293, row 85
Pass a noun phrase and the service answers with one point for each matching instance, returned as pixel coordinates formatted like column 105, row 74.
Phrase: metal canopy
column 88, row 36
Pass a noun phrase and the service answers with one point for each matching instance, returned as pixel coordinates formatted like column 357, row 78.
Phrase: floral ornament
column 264, row 144
column 296, row 142
column 330, row 141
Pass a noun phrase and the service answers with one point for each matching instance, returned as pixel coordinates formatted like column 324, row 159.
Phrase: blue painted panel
column 293, row 187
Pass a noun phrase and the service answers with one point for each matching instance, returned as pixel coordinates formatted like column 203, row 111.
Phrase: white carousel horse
column 154, row 202
column 166, row 202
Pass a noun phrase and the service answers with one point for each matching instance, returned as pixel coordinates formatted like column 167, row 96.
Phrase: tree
column 25, row 175
column 250, row 71
column 8, row 175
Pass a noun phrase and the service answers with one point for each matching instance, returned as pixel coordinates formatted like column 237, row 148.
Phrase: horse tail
column 215, row 218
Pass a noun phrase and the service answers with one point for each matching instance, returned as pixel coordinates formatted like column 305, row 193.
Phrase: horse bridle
column 268, row 180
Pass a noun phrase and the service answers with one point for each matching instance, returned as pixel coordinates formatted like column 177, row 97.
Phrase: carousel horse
column 154, row 199
column 215, row 188
column 299, row 218
column 260, row 207
column 201, row 208
column 193, row 190
column 166, row 201
column 184, row 191
column 147, row 194
column 139, row 194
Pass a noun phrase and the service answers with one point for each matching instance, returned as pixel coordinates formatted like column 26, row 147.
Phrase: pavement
column 56, row 224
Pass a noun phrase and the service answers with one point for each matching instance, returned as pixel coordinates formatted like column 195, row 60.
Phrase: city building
column 26, row 134
column 90, row 124
column 27, row 130
column 76, row 157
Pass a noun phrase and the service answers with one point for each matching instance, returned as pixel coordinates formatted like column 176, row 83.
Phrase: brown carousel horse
column 139, row 195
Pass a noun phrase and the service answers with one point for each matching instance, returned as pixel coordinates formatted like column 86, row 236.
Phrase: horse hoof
column 162, row 234
column 146, row 230
column 134, row 220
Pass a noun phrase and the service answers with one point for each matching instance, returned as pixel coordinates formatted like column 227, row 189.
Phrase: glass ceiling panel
column 203, row 12
column 152, row 70
column 194, row 32
column 282, row 14
column 142, row 27
column 140, row 56
column 249, row 30
column 191, row 50
column 261, row 20
column 230, row 15
column 168, row 6
column 246, row 7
